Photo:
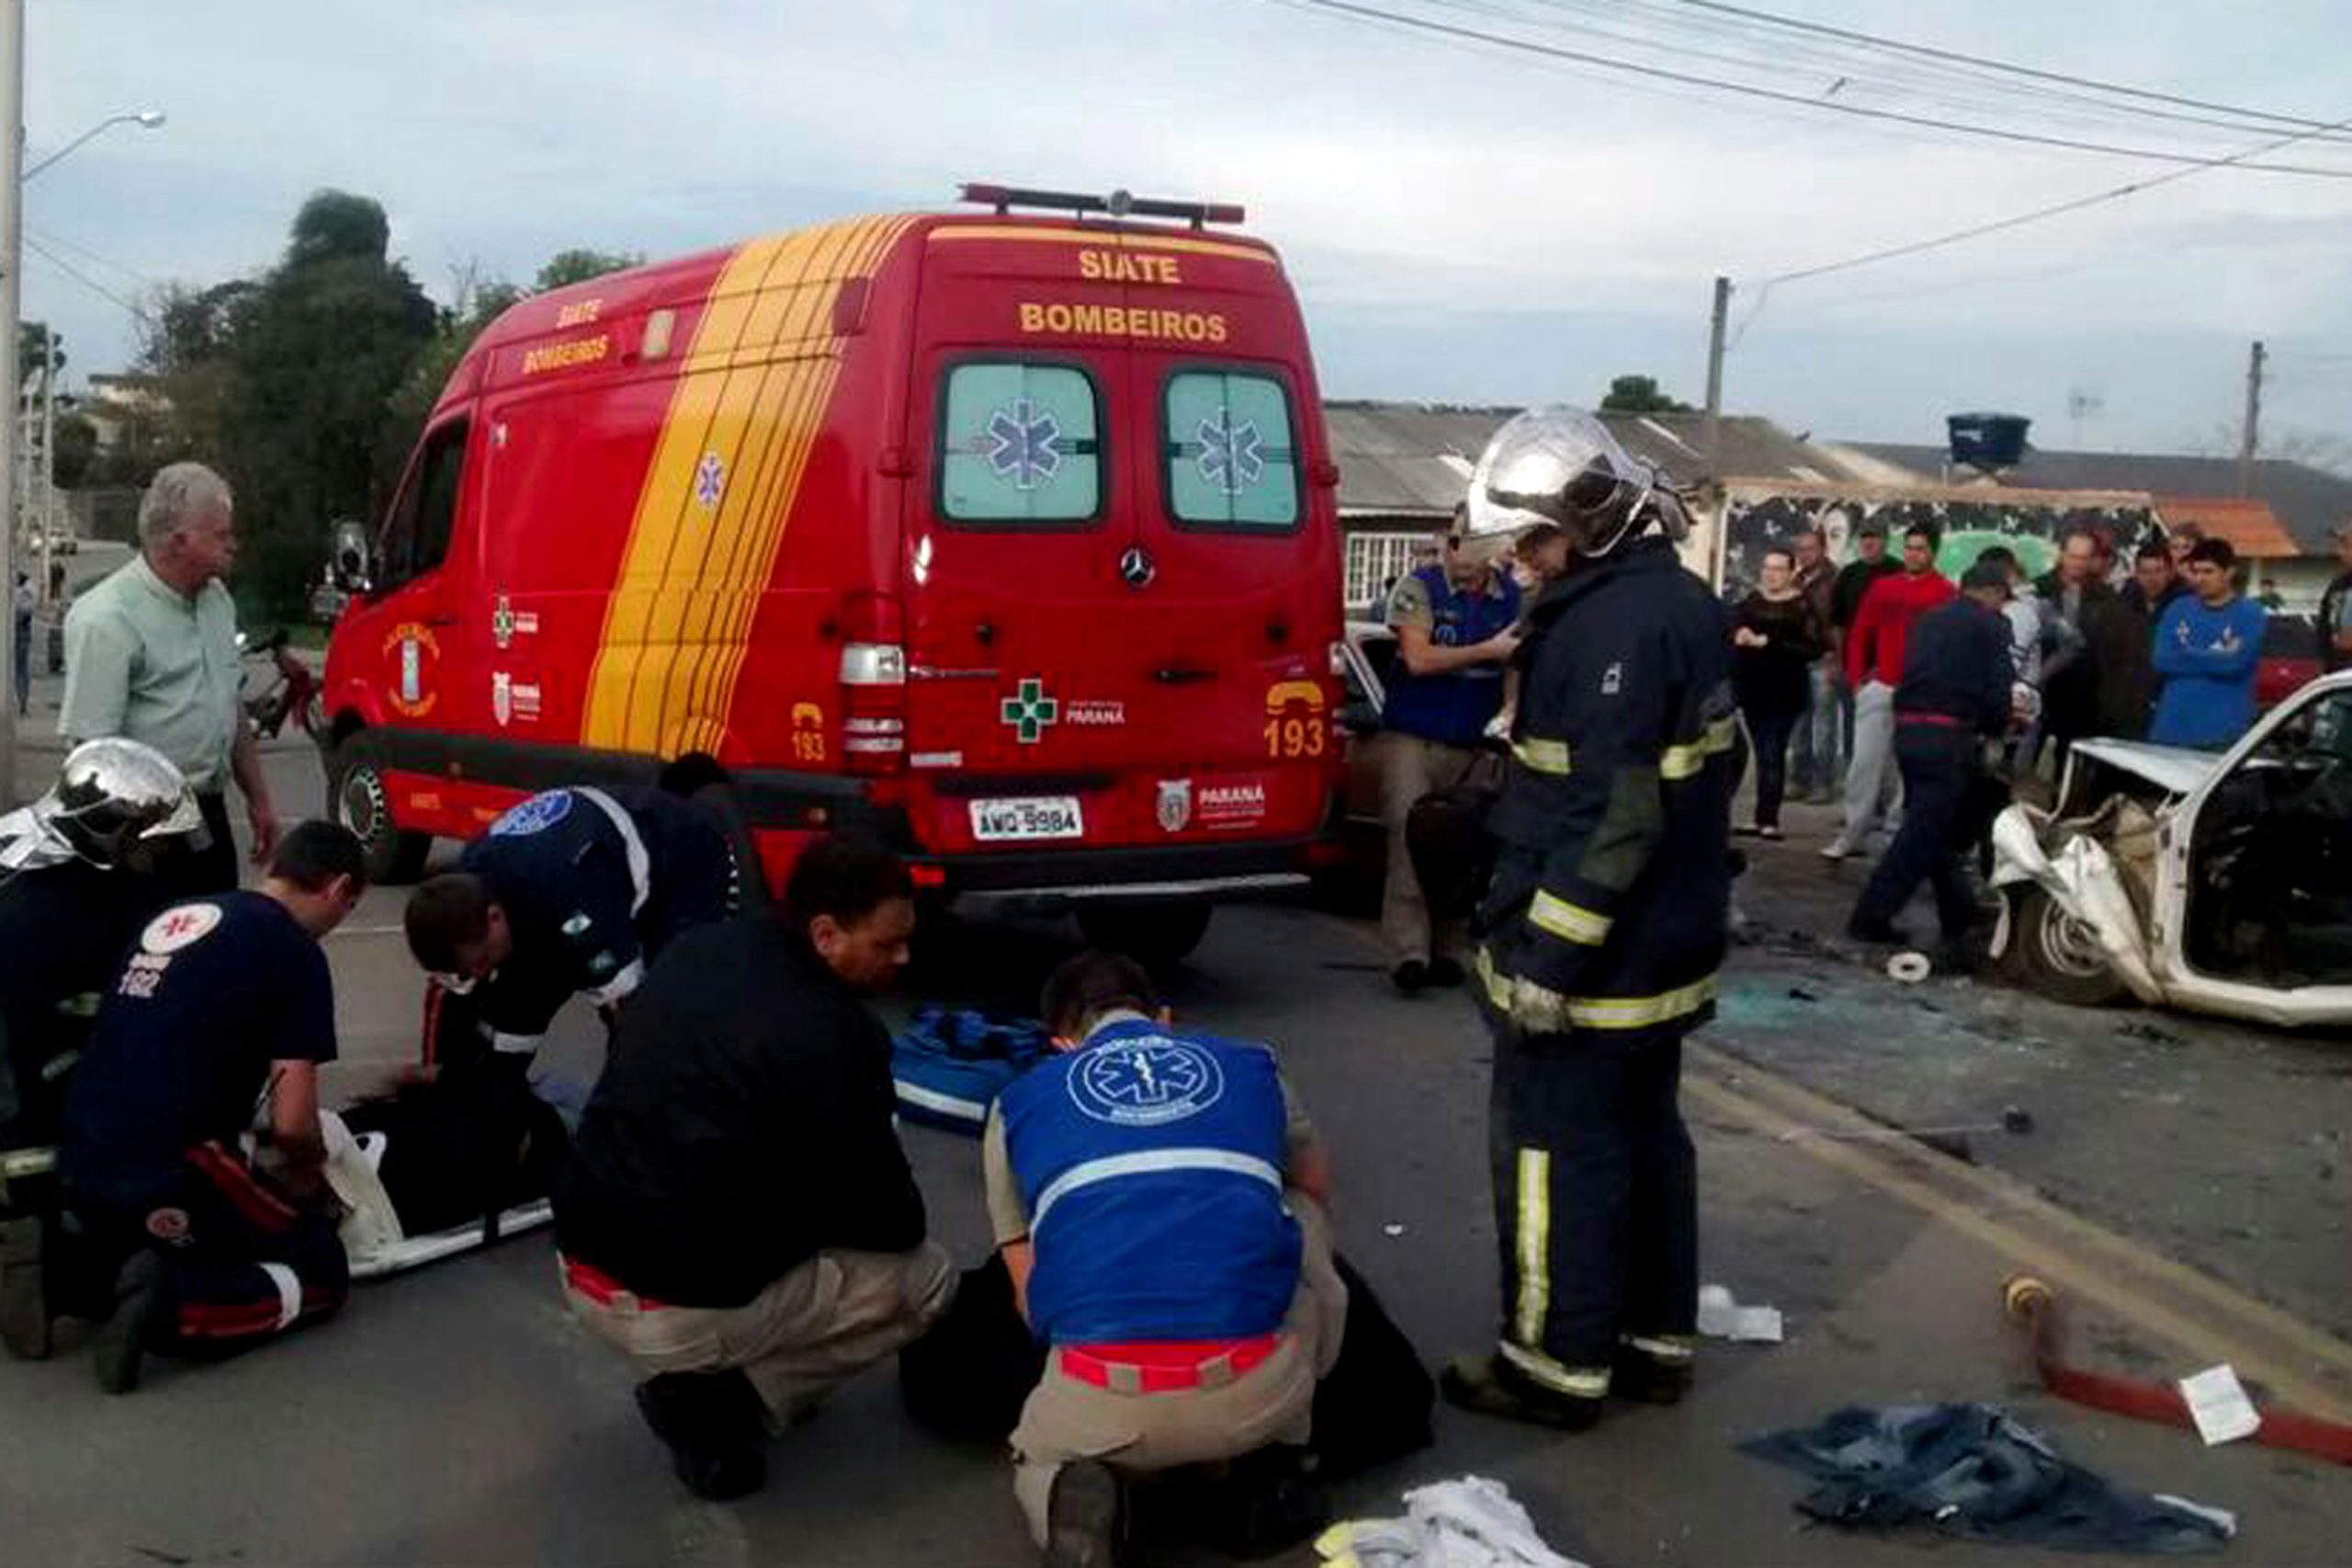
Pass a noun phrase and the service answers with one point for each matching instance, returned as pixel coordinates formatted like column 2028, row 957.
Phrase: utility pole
column 12, row 250
column 2249, row 439
column 1712, row 431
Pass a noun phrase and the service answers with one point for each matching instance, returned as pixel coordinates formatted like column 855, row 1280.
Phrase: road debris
column 1469, row 1523
column 1720, row 1316
column 2217, row 1404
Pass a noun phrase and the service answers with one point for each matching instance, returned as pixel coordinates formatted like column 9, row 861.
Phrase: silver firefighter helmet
column 113, row 793
column 1560, row 468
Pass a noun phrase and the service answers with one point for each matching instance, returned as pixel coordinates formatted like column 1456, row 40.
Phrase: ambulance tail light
column 873, row 685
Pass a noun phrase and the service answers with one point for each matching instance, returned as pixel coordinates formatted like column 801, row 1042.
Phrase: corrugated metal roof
column 2308, row 502
column 1414, row 459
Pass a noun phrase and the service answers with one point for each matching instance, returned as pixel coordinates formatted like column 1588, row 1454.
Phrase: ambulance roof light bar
column 1118, row 204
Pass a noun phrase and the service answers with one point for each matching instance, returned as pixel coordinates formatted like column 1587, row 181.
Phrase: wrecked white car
column 2220, row 882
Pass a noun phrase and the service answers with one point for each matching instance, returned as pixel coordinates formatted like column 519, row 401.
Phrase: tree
column 567, row 268
column 1639, row 394
column 77, row 445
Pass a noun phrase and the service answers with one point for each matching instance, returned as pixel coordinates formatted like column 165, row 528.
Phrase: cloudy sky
column 1464, row 221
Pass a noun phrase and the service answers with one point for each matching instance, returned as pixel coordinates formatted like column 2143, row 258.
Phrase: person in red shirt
column 1873, row 669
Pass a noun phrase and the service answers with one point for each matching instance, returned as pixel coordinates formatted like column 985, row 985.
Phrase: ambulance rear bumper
column 1054, row 879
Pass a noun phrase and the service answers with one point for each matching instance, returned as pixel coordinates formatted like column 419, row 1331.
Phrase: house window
column 1374, row 561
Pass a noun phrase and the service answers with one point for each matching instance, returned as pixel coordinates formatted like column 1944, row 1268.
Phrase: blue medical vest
column 1151, row 1163
column 1454, row 708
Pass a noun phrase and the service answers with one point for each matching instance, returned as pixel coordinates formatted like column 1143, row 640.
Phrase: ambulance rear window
column 1019, row 444
column 1232, row 461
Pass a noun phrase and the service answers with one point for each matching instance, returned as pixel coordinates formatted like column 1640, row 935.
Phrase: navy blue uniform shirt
column 1957, row 664
column 215, row 991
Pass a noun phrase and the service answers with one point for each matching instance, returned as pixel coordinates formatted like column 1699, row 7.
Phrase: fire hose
column 2033, row 1305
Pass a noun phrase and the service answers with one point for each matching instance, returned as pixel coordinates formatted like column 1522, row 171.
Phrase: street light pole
column 12, row 250
column 145, row 118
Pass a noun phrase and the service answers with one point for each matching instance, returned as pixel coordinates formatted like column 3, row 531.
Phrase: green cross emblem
column 502, row 622
column 1029, row 711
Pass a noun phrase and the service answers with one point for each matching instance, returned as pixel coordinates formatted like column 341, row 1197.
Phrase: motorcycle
column 290, row 689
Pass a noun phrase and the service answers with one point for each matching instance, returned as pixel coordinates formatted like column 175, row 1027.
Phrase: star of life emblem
column 1145, row 1082
column 1023, row 445
column 1229, row 453
column 710, row 480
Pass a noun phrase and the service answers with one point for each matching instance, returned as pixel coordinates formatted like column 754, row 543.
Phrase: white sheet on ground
column 1469, row 1523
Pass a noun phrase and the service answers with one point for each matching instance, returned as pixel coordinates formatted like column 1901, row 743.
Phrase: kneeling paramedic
column 574, row 892
column 218, row 1019
column 736, row 1215
column 1158, row 1197
column 81, row 881
column 1603, row 929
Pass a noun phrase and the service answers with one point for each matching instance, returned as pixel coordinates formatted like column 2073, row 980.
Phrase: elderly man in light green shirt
column 150, row 654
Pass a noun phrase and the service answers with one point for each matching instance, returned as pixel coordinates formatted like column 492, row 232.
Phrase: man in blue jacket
column 1157, row 1195
column 1453, row 623
column 2208, row 645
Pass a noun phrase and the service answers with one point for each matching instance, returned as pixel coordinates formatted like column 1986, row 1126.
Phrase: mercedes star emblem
column 1135, row 568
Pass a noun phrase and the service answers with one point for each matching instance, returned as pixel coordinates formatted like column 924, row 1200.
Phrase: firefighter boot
column 24, row 1296
column 1492, row 1386
column 1651, row 1371
column 1273, row 1500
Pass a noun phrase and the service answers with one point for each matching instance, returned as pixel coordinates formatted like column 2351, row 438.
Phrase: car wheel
column 358, row 799
column 2058, row 954
column 1155, row 936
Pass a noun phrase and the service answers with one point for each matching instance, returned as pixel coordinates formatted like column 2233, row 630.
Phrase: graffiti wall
column 2032, row 523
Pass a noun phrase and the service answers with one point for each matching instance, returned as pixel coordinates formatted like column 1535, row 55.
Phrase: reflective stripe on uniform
column 1148, row 1162
column 514, row 1044
column 1532, row 1229
column 1576, row 1382
column 1570, row 923
column 640, row 864
column 1684, row 761
column 1672, row 1349
column 1640, row 1012
column 1542, row 756
column 1607, row 1012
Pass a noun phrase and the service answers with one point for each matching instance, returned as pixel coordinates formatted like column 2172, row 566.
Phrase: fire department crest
column 1145, row 1081
column 501, row 696
column 1175, row 805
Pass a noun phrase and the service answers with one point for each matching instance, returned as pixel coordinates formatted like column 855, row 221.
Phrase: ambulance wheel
column 1155, row 936
column 357, row 796
column 2058, row 956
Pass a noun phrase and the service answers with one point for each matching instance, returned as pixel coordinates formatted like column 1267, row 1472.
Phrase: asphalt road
column 2181, row 1183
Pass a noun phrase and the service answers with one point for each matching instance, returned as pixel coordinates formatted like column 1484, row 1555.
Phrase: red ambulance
column 1007, row 535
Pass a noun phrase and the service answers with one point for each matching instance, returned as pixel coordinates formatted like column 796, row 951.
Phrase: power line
column 2055, row 209
column 1375, row 15
column 62, row 243
column 1930, row 52
column 1865, row 62
column 84, row 278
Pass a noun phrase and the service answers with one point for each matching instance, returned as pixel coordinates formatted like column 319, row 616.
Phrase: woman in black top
column 1777, row 634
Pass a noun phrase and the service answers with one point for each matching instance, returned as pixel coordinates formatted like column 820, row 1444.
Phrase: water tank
column 1987, row 441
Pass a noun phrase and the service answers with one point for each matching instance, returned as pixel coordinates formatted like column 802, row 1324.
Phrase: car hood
column 2175, row 770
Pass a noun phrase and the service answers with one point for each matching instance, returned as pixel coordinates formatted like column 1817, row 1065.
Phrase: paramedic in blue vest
column 1453, row 624
column 1603, row 930
column 574, row 892
column 1158, row 1197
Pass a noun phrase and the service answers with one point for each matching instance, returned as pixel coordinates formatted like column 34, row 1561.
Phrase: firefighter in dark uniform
column 213, row 1027
column 574, row 892
column 79, row 864
column 1603, row 930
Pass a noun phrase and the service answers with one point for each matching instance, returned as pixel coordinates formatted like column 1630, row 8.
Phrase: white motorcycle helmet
column 1560, row 468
